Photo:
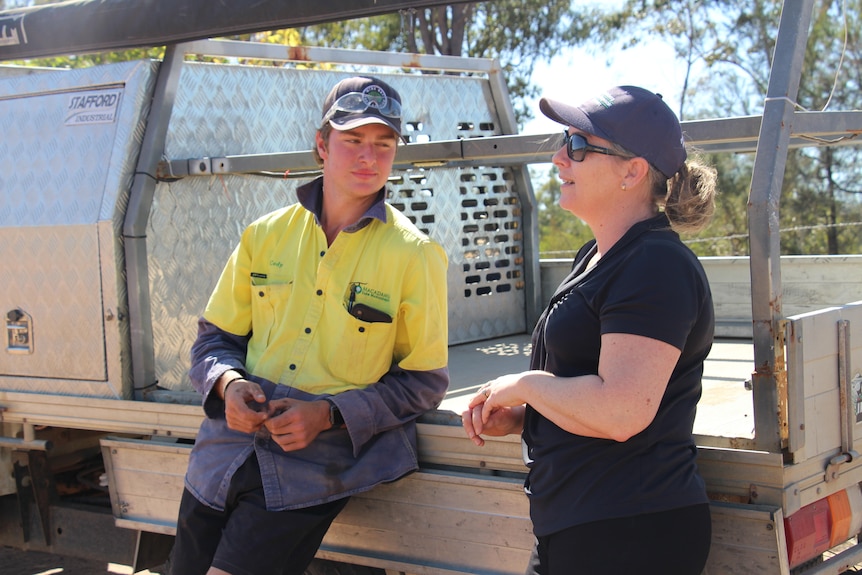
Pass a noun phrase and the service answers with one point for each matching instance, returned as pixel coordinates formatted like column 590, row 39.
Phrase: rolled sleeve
column 214, row 352
column 400, row 397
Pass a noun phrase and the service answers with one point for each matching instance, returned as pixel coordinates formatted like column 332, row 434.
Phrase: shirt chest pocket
column 365, row 351
column 269, row 305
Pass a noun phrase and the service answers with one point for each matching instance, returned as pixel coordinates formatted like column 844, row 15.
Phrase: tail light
column 823, row 524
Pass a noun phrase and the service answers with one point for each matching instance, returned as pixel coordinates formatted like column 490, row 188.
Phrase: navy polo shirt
column 650, row 284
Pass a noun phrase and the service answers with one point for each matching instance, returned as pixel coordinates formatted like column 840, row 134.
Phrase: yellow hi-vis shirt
column 294, row 295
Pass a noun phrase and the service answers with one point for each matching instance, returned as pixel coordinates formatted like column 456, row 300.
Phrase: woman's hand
column 496, row 410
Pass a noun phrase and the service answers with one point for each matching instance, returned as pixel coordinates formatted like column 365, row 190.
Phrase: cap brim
column 570, row 116
column 355, row 122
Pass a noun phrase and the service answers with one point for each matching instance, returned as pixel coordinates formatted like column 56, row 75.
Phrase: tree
column 827, row 177
column 734, row 41
column 727, row 234
column 519, row 33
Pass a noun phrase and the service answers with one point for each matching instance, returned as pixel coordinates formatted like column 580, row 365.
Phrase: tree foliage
column 728, row 46
column 518, row 33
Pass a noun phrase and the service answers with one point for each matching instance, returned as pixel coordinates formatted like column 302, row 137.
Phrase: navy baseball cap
column 634, row 118
column 362, row 100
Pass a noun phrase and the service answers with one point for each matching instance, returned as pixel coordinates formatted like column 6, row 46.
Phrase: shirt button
column 322, row 254
column 308, row 330
column 361, row 330
column 260, row 293
column 292, row 366
column 320, row 292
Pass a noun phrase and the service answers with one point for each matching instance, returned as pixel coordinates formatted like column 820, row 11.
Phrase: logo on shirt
column 359, row 292
column 372, row 293
column 367, row 304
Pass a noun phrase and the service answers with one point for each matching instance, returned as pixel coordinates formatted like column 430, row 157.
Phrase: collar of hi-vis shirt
column 310, row 196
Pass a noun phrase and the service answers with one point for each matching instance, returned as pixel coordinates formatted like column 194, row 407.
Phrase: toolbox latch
column 19, row 332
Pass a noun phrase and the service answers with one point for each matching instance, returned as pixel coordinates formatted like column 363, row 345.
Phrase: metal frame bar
column 259, row 51
column 769, row 379
column 722, row 135
column 135, row 224
column 54, row 29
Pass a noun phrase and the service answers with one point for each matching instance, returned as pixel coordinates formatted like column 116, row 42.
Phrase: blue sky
column 576, row 75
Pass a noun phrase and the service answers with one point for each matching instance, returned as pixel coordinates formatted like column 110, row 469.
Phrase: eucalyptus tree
column 729, row 47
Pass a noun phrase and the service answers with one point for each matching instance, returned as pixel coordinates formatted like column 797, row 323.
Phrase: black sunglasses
column 577, row 148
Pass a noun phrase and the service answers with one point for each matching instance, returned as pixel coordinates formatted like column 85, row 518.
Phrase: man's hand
column 294, row 424
column 240, row 400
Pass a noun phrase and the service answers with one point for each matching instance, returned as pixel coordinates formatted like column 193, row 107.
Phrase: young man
column 323, row 341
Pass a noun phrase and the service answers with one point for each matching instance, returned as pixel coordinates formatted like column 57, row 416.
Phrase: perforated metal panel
column 233, row 110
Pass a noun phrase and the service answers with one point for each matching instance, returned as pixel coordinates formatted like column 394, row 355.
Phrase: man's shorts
column 246, row 539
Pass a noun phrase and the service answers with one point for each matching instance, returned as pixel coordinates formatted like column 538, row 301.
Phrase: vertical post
column 529, row 209
column 769, row 379
column 137, row 216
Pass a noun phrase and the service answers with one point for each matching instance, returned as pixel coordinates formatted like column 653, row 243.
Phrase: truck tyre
column 323, row 567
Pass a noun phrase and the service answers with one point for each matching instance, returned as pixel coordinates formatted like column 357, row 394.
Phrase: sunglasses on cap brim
column 358, row 103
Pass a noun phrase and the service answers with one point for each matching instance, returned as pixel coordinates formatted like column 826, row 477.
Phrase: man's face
column 358, row 162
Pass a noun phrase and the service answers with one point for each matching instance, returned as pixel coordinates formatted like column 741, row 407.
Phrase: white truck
column 124, row 187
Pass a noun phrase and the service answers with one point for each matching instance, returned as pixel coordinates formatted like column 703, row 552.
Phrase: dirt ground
column 16, row 562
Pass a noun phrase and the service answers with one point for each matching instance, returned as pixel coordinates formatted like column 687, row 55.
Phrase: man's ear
column 321, row 145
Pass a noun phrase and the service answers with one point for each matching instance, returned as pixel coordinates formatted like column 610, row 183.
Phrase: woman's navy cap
column 634, row 118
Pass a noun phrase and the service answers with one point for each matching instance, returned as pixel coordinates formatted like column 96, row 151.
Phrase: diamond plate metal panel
column 194, row 226
column 64, row 189
column 55, row 279
column 230, row 110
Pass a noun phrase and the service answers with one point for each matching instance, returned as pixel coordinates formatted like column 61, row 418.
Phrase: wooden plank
column 98, row 414
column 494, row 495
column 449, row 523
column 814, row 408
column 738, row 472
column 145, row 480
column 822, row 424
column 428, row 523
column 439, row 524
column 833, row 281
column 747, row 540
column 428, row 554
column 449, row 445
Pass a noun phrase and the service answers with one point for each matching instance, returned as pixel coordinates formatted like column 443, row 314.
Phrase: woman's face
column 588, row 189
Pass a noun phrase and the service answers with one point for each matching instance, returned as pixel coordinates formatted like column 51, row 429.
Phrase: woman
column 607, row 409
